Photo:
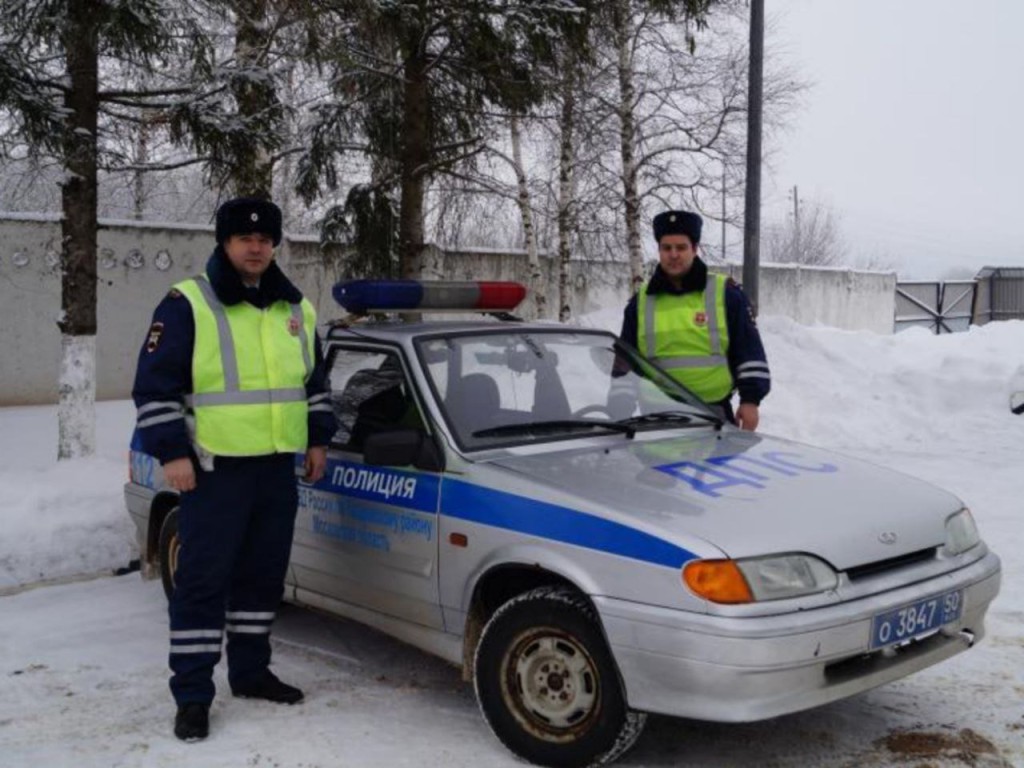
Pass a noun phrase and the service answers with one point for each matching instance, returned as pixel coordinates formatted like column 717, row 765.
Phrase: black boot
column 267, row 686
column 192, row 723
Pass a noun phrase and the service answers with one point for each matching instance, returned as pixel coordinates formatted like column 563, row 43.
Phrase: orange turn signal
column 719, row 581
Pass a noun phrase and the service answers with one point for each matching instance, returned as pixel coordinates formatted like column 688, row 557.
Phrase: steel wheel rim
column 550, row 684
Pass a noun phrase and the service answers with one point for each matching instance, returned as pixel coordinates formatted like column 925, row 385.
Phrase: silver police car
column 545, row 508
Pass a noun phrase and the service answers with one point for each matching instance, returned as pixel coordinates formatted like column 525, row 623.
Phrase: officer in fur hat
column 698, row 326
column 230, row 386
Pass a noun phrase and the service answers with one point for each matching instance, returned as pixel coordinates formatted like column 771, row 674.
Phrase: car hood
column 749, row 494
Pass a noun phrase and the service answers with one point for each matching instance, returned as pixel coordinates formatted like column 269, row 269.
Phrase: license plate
column 916, row 619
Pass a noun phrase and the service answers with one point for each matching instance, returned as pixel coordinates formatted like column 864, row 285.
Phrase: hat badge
column 672, row 217
column 255, row 217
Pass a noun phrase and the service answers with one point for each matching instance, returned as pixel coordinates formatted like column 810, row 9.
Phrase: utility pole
column 752, row 213
column 723, row 211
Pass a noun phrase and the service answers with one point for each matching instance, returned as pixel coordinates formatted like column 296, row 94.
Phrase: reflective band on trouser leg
column 193, row 655
column 249, row 622
column 196, row 641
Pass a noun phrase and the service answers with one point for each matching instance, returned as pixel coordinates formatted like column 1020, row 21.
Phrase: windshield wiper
column 554, row 424
column 670, row 417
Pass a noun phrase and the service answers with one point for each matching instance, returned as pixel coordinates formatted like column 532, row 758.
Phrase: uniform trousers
column 235, row 529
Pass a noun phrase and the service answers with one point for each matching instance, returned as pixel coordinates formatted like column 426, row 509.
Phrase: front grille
column 892, row 564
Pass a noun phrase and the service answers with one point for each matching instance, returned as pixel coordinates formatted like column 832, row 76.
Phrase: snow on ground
column 68, row 518
column 83, row 663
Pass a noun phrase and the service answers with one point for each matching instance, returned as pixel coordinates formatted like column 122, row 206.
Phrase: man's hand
column 315, row 464
column 747, row 417
column 180, row 474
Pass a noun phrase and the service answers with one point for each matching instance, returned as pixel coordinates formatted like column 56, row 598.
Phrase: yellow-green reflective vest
column 687, row 335
column 249, row 371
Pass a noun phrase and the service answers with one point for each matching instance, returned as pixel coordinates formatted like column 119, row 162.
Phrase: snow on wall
column 138, row 263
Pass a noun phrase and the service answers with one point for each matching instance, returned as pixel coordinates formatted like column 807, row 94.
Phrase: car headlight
column 961, row 532
column 758, row 579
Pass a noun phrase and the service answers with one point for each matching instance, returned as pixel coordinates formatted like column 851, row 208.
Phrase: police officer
column 230, row 386
column 698, row 326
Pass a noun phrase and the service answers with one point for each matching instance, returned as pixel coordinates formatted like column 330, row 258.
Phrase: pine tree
column 414, row 86
column 56, row 57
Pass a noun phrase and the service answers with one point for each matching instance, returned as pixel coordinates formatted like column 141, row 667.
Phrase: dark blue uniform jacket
column 164, row 372
column 744, row 340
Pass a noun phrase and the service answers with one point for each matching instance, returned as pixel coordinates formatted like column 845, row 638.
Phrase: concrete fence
column 843, row 298
column 138, row 263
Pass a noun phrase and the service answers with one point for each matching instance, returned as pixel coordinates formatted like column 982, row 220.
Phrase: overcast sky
column 913, row 129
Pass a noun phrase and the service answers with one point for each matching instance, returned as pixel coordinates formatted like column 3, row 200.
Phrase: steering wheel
column 588, row 409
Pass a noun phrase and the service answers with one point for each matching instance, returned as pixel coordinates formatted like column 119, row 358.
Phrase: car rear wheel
column 547, row 685
column 169, row 548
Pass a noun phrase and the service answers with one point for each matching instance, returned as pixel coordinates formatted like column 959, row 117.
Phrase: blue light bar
column 363, row 296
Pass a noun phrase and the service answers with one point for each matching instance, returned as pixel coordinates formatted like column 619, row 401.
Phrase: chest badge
column 700, row 318
column 293, row 326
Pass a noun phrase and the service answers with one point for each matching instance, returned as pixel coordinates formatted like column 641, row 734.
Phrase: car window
column 369, row 391
column 498, row 380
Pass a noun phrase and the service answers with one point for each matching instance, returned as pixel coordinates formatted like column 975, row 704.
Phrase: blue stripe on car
column 476, row 504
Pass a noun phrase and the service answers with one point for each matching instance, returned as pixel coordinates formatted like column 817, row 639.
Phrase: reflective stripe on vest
column 693, row 352
column 256, row 404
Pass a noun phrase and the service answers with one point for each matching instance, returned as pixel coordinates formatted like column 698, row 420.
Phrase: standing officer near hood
column 698, row 326
column 230, row 386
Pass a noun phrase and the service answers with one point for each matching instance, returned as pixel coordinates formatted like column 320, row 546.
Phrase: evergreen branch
column 135, row 94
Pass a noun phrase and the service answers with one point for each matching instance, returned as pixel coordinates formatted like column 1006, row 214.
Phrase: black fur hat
column 244, row 215
column 678, row 223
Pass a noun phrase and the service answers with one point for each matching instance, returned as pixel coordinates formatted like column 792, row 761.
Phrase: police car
column 545, row 508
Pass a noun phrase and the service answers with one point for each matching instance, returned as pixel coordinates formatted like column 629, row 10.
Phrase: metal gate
column 944, row 307
column 1000, row 294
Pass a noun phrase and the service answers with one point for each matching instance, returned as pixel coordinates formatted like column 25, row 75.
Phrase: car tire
column 169, row 548
column 547, row 684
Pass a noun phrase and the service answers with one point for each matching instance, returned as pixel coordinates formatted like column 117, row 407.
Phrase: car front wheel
column 169, row 548
column 547, row 685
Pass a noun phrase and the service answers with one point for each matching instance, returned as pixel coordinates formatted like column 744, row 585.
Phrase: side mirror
column 402, row 447
column 1017, row 403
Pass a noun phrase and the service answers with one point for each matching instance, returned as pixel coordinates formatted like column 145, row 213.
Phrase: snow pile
column 908, row 391
column 62, row 519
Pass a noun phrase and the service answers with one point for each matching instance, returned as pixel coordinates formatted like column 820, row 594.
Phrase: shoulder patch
column 156, row 330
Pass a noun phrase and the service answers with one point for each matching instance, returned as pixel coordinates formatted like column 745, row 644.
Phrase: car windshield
column 502, row 388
